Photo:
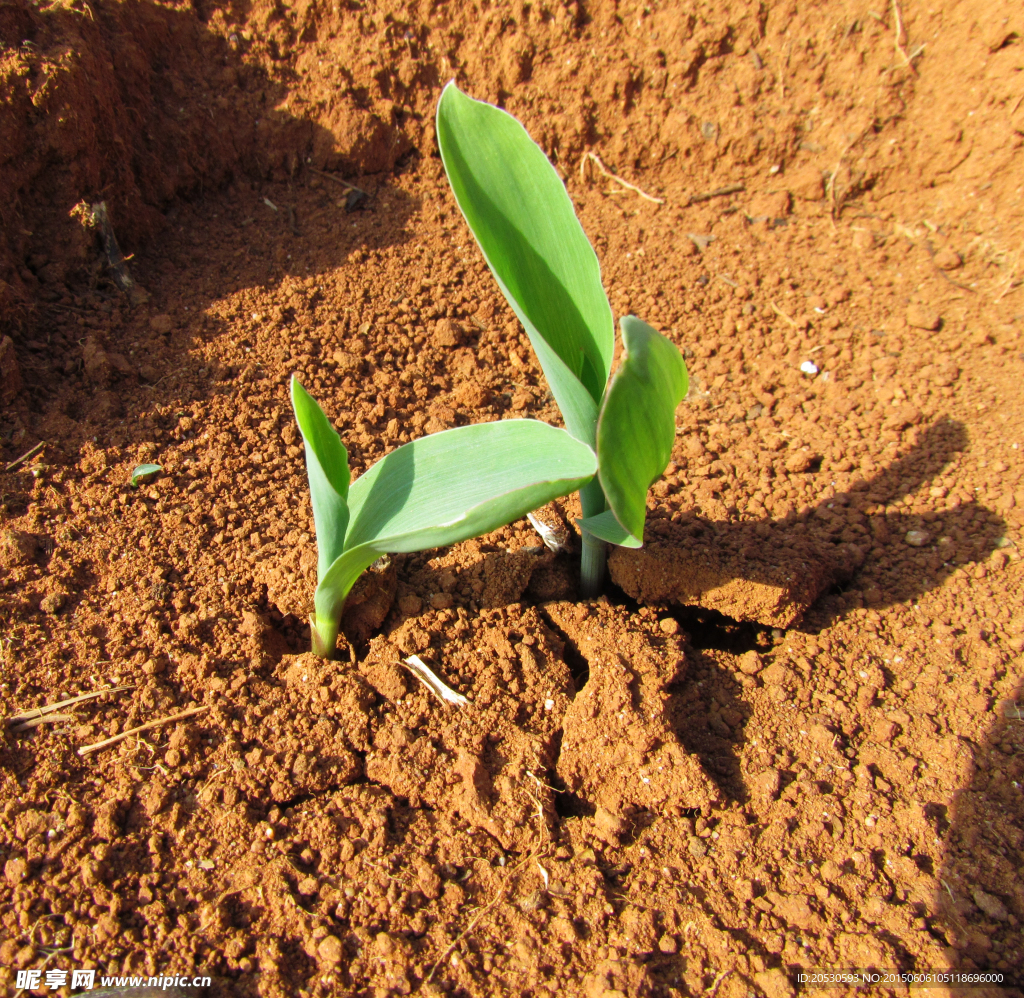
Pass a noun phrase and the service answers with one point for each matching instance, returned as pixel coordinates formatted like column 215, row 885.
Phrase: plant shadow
column 859, row 546
column 975, row 901
column 803, row 570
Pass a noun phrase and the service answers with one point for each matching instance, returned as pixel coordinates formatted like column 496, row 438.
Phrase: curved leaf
column 451, row 486
column 142, row 471
column 327, row 469
column 637, row 426
column 606, row 527
column 523, row 219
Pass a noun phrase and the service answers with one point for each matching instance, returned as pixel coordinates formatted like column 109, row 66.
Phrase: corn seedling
column 438, row 490
column 524, row 222
column 141, row 472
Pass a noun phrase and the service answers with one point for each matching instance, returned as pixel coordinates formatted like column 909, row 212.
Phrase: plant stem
column 324, row 636
column 595, row 551
column 592, row 565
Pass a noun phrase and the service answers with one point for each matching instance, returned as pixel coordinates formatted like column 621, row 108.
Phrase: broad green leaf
column 607, row 528
column 451, row 486
column 637, row 426
column 142, row 471
column 523, row 219
column 327, row 468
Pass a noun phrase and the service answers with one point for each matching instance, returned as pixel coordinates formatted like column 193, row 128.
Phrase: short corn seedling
column 141, row 472
column 523, row 220
column 438, row 490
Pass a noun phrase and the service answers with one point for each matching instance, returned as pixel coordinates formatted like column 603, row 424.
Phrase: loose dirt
column 790, row 734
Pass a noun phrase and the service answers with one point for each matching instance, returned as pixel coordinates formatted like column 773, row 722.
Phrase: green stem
column 324, row 636
column 595, row 551
column 592, row 566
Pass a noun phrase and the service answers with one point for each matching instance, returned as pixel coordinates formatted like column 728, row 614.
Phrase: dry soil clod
column 718, row 192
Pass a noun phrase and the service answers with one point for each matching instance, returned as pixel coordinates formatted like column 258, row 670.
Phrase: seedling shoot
column 523, row 220
column 438, row 490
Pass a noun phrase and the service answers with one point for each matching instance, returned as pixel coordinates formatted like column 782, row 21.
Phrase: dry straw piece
column 96, row 746
column 592, row 157
column 430, row 679
column 29, row 719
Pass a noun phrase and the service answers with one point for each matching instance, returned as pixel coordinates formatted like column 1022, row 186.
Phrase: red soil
column 791, row 739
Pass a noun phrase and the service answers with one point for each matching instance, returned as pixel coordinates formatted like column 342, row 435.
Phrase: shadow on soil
column 895, row 572
column 978, row 906
column 853, row 539
column 957, row 536
column 209, row 178
column 709, row 696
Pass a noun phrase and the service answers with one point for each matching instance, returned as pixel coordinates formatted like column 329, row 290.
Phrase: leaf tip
column 142, row 471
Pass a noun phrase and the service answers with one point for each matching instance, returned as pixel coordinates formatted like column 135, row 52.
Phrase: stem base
column 592, row 566
column 323, row 636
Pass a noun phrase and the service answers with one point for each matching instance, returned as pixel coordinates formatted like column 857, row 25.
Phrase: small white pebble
column 916, row 538
column 548, row 704
column 809, row 367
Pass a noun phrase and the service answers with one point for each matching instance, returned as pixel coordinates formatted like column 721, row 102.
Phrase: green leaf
column 523, row 219
column 327, row 468
column 143, row 471
column 637, row 425
column 451, row 486
column 607, row 528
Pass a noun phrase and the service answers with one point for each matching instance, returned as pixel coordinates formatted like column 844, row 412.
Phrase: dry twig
column 30, row 718
column 1011, row 285
column 18, row 461
column 592, row 157
column 96, row 746
column 116, row 261
column 778, row 311
column 48, row 719
column 835, row 206
column 474, row 921
column 716, row 193
column 337, row 180
column 908, row 60
column 722, row 975
column 896, row 43
column 433, row 682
